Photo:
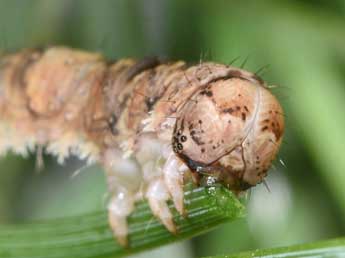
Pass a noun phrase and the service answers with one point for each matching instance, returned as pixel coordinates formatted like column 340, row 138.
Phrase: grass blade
column 327, row 248
column 89, row 235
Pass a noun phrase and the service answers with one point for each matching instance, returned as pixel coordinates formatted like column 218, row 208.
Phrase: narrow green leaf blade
column 327, row 248
column 89, row 235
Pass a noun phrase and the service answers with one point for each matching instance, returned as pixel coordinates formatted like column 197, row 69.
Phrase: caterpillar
column 149, row 123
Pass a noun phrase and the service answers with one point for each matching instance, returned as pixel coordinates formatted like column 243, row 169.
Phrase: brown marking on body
column 141, row 66
column 18, row 76
column 213, row 101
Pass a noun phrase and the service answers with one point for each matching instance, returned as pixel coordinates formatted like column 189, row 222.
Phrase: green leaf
column 89, row 235
column 327, row 248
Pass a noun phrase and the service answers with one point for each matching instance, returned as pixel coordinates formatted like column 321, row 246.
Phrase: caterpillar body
column 148, row 123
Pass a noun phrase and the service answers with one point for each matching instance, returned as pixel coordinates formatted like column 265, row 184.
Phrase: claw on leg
column 119, row 227
column 157, row 196
column 173, row 178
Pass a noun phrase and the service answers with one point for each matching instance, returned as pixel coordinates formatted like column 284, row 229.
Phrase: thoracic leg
column 156, row 174
column 119, row 207
column 157, row 196
column 124, row 179
column 173, row 178
column 154, row 157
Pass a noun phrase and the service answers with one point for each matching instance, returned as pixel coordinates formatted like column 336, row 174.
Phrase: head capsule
column 230, row 130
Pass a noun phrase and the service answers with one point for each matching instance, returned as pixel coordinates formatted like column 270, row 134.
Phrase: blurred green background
column 302, row 43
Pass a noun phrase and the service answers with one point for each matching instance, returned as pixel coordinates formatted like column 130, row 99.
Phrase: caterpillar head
column 230, row 131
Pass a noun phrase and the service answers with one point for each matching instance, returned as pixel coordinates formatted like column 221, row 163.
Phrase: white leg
column 157, row 196
column 120, row 206
column 163, row 177
column 173, row 179
column 124, row 179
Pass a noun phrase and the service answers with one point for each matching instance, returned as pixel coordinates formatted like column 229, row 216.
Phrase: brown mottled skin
column 232, row 130
column 220, row 125
column 147, row 122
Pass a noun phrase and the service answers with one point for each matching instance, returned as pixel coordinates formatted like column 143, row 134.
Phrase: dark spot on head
column 179, row 146
column 209, row 94
column 202, row 150
column 229, row 121
column 235, row 73
column 228, row 110
column 244, row 116
column 238, row 107
column 264, row 128
column 214, row 147
column 246, row 108
column 200, row 122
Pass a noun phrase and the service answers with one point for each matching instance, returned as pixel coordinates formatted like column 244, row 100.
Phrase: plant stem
column 89, row 235
column 327, row 248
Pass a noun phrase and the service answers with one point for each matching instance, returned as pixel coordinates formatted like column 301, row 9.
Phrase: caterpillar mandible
column 148, row 123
